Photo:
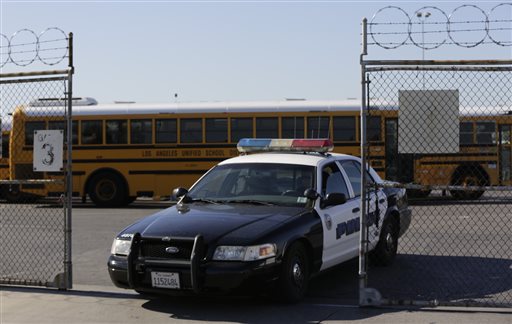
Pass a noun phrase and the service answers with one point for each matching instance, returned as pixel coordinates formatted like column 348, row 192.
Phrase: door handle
column 355, row 210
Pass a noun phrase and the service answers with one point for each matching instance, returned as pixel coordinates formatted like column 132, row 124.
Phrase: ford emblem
column 172, row 250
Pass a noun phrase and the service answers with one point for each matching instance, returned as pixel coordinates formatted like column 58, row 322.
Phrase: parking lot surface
column 332, row 296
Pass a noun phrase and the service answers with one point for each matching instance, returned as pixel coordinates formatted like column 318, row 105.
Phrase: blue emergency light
column 320, row 145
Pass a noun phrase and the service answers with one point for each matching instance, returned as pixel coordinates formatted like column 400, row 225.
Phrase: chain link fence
column 35, row 206
column 448, row 142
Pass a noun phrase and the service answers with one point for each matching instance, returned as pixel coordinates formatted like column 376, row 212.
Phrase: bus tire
column 13, row 194
column 107, row 189
column 465, row 177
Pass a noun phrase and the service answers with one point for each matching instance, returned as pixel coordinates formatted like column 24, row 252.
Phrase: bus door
column 504, row 153
column 399, row 167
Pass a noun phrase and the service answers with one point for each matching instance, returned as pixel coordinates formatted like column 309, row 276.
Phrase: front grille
column 156, row 248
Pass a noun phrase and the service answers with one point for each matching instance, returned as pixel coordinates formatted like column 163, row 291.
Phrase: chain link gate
column 35, row 182
column 446, row 138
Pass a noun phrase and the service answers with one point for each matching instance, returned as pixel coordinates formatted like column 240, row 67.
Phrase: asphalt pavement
column 101, row 304
column 93, row 298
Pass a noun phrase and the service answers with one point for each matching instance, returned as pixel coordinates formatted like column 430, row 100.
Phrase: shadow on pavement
column 455, row 279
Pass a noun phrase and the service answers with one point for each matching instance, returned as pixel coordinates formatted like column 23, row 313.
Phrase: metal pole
column 362, row 233
column 68, row 266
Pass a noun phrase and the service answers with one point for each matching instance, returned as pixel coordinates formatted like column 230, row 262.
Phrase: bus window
column 505, row 133
column 92, row 132
column 267, row 127
column 141, row 131
column 373, row 129
column 318, row 127
column 30, row 127
column 292, row 127
column 166, row 131
column 240, row 128
column 486, row 133
column 344, row 129
column 61, row 124
column 191, row 130
column 216, row 130
column 466, row 133
column 117, row 131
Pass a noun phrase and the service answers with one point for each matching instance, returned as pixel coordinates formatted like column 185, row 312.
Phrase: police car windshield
column 273, row 183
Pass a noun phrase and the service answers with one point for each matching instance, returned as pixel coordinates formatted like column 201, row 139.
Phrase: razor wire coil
column 404, row 30
column 25, row 47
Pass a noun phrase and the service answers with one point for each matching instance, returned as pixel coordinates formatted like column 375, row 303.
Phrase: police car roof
column 298, row 158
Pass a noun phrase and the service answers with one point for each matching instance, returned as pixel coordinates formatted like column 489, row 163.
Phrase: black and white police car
column 268, row 219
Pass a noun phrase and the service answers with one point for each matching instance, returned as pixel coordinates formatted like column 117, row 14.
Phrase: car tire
column 294, row 276
column 385, row 252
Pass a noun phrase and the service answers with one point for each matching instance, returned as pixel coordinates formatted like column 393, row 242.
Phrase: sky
column 148, row 51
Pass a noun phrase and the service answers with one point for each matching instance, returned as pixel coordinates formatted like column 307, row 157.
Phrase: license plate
column 165, row 280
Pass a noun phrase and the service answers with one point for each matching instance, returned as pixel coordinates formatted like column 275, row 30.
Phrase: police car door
column 377, row 201
column 340, row 222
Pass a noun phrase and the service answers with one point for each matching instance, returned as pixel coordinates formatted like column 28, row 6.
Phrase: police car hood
column 239, row 223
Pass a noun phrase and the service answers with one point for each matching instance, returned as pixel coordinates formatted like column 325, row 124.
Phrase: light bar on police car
column 320, row 145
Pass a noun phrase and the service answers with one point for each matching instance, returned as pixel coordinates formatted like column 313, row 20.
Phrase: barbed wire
column 399, row 29
column 25, row 47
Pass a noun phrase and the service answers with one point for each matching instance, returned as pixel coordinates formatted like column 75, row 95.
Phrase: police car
column 260, row 220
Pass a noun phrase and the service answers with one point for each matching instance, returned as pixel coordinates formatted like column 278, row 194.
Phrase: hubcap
column 470, row 181
column 297, row 274
column 105, row 190
column 389, row 242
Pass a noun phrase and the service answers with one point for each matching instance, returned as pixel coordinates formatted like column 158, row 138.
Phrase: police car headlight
column 120, row 247
column 244, row 253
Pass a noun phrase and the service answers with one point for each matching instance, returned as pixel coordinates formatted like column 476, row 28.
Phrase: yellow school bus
column 4, row 163
column 122, row 151
column 8, row 191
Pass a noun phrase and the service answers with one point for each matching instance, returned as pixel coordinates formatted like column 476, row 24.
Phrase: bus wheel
column 467, row 179
column 13, row 194
column 107, row 190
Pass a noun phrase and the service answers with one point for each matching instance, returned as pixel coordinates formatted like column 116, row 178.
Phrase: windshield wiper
column 250, row 201
column 204, row 200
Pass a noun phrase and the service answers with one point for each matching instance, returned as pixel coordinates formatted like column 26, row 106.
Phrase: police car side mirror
column 334, row 199
column 311, row 194
column 178, row 193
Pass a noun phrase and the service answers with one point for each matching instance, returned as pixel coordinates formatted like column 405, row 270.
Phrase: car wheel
column 294, row 277
column 385, row 252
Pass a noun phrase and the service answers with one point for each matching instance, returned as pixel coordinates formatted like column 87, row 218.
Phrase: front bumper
column 191, row 268
column 210, row 277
